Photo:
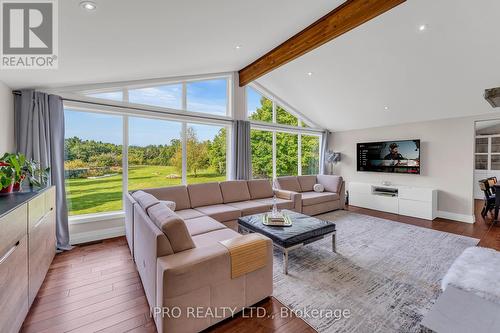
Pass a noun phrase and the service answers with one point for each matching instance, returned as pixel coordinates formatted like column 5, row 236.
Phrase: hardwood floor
column 96, row 288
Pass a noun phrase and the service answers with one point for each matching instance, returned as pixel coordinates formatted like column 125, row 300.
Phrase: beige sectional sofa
column 314, row 203
column 184, row 268
column 179, row 256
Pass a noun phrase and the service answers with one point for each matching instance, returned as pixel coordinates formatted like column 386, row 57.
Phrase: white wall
column 6, row 119
column 447, row 163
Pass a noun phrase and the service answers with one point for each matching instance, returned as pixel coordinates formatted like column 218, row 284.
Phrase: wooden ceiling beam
column 342, row 19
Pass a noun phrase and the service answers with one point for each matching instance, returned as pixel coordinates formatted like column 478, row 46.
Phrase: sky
column 253, row 100
column 202, row 96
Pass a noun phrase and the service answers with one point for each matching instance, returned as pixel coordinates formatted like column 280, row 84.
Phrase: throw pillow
column 318, row 188
column 170, row 204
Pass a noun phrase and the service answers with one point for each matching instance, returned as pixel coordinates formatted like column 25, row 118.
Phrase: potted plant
column 36, row 176
column 16, row 162
column 6, row 177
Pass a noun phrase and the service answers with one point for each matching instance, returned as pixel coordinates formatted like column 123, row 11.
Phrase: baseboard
column 456, row 217
column 95, row 235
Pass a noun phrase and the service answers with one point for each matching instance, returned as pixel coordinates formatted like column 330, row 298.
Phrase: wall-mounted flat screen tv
column 390, row 156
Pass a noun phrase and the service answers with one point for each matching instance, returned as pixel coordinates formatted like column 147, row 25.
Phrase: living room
column 224, row 166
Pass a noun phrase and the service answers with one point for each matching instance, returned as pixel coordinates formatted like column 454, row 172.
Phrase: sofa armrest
column 183, row 272
column 290, row 195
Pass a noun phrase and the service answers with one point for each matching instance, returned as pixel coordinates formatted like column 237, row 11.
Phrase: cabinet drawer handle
column 6, row 255
column 39, row 222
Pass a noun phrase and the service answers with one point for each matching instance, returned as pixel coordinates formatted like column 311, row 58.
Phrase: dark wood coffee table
column 304, row 230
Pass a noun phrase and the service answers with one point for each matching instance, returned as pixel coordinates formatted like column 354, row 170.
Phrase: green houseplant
column 36, row 176
column 6, row 177
column 18, row 168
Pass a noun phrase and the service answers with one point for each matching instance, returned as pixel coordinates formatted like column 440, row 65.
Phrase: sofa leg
column 334, row 243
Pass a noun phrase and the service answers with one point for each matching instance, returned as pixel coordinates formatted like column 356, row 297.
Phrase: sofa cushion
column 260, row 188
column 213, row 237
column 331, row 183
column 234, row 190
column 313, row 198
column 177, row 194
column 203, row 224
column 221, row 213
column 289, row 183
column 145, row 200
column 306, row 183
column 205, row 194
column 280, row 203
column 187, row 214
column 172, row 226
column 251, row 207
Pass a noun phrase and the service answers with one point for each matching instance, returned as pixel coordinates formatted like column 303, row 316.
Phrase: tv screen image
column 390, row 156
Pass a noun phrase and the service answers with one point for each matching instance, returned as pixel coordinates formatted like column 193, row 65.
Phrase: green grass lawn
column 86, row 196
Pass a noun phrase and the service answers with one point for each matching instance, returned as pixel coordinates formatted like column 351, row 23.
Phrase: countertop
column 11, row 201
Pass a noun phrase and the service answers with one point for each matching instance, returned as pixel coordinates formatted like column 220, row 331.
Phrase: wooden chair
column 489, row 198
column 491, row 184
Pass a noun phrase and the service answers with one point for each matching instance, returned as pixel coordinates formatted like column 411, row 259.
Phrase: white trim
column 184, row 153
column 299, row 154
column 109, row 86
column 121, row 108
column 456, row 217
column 125, row 144
column 95, row 235
column 98, row 217
column 284, row 128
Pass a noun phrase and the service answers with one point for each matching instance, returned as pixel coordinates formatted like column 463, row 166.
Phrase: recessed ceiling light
column 422, row 27
column 238, row 47
column 88, row 5
column 310, row 73
column 386, row 108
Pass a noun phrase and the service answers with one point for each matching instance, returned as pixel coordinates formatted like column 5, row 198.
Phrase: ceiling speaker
column 493, row 96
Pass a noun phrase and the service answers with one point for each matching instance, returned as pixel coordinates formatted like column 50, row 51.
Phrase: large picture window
column 206, row 153
column 262, row 153
column 93, row 162
column 166, row 96
column 210, row 96
column 287, row 158
column 94, row 148
column 153, row 146
column 282, row 143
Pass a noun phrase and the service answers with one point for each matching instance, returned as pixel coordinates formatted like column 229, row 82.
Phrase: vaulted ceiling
column 440, row 72
column 129, row 39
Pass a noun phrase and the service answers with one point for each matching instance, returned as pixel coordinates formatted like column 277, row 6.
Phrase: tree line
column 201, row 154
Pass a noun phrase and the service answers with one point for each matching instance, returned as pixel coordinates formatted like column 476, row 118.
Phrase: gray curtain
column 39, row 127
column 324, row 148
column 242, row 156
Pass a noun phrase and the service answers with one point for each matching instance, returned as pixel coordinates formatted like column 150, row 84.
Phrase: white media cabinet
column 418, row 202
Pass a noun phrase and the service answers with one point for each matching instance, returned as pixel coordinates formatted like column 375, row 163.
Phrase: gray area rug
column 386, row 274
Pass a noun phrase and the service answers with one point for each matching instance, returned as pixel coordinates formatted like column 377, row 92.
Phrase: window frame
column 275, row 127
column 80, row 93
column 299, row 134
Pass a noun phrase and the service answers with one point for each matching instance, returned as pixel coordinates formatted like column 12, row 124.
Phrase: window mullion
column 299, row 154
column 274, row 155
column 125, row 155
column 184, row 153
